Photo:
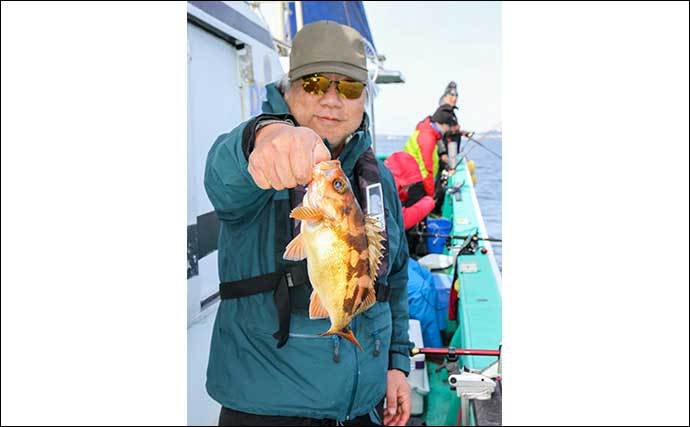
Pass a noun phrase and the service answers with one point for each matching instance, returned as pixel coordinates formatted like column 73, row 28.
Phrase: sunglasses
column 318, row 85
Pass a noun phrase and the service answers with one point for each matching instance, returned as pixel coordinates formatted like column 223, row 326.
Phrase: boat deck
column 479, row 309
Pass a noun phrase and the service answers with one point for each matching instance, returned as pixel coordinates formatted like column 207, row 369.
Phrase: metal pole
column 281, row 25
column 373, row 127
column 299, row 20
column 464, row 411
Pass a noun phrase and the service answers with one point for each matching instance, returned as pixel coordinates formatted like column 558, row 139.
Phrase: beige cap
column 328, row 47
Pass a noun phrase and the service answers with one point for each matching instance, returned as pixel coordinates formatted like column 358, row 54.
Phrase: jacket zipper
column 336, row 348
column 377, row 342
column 318, row 337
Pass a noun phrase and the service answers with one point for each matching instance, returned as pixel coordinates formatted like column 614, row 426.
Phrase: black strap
column 252, row 286
column 279, row 283
column 281, row 298
column 296, row 197
column 367, row 173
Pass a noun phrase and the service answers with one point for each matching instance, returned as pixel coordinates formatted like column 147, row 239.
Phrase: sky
column 432, row 43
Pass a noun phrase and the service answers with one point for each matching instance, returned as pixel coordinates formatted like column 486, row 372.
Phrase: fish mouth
column 320, row 175
column 325, row 169
column 327, row 165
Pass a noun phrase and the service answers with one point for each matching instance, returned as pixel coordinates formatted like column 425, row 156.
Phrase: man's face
column 450, row 99
column 331, row 115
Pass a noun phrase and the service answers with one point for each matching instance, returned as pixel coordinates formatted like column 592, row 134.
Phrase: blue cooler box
column 442, row 283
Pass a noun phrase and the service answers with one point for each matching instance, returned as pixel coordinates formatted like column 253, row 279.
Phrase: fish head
column 330, row 190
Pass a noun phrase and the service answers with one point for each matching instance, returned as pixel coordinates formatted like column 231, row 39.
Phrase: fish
column 343, row 248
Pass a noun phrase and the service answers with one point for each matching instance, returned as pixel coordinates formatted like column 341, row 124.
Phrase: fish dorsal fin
column 306, row 213
column 295, row 250
column 316, row 309
column 375, row 243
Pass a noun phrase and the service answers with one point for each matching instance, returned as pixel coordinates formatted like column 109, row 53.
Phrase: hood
column 404, row 168
column 425, row 126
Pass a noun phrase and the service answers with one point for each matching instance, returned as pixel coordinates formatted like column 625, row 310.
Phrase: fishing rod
column 447, row 236
column 451, row 351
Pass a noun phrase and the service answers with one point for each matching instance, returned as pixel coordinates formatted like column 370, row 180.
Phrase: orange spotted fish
column 343, row 248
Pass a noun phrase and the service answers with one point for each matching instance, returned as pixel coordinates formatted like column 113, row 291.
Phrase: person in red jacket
column 422, row 144
column 416, row 205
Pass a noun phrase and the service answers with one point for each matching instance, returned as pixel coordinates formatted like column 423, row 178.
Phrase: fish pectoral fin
column 375, row 243
column 304, row 213
column 316, row 309
column 295, row 250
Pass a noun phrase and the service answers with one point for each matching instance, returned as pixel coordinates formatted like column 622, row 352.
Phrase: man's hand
column 284, row 156
column 398, row 399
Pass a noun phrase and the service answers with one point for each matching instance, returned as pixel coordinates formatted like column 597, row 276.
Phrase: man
column 268, row 364
column 422, row 144
column 450, row 98
column 450, row 95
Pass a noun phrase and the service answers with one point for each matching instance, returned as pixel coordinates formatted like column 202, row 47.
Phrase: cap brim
column 348, row 70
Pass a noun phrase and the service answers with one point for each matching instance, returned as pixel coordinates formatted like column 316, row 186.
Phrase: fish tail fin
column 345, row 333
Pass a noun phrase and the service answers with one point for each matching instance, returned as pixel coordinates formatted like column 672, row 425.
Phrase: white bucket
column 418, row 378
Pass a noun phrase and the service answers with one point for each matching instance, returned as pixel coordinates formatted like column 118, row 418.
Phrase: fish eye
column 339, row 185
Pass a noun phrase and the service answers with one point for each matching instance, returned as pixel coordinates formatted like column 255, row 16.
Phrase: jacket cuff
column 442, row 147
column 249, row 133
column 400, row 362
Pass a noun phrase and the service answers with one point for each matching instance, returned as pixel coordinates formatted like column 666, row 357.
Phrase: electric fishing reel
column 470, row 385
column 462, row 376
column 469, row 246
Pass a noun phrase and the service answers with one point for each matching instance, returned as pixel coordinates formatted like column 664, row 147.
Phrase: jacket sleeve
column 415, row 213
column 229, row 186
column 399, row 353
column 429, row 185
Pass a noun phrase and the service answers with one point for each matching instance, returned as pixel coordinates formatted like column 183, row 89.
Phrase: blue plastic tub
column 440, row 226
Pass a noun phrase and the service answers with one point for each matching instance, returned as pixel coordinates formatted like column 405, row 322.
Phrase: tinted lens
column 316, row 85
column 351, row 90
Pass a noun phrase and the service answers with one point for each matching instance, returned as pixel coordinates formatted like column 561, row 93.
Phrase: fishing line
column 484, row 147
column 464, row 154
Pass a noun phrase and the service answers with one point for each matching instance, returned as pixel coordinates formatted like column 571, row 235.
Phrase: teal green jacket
column 311, row 376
